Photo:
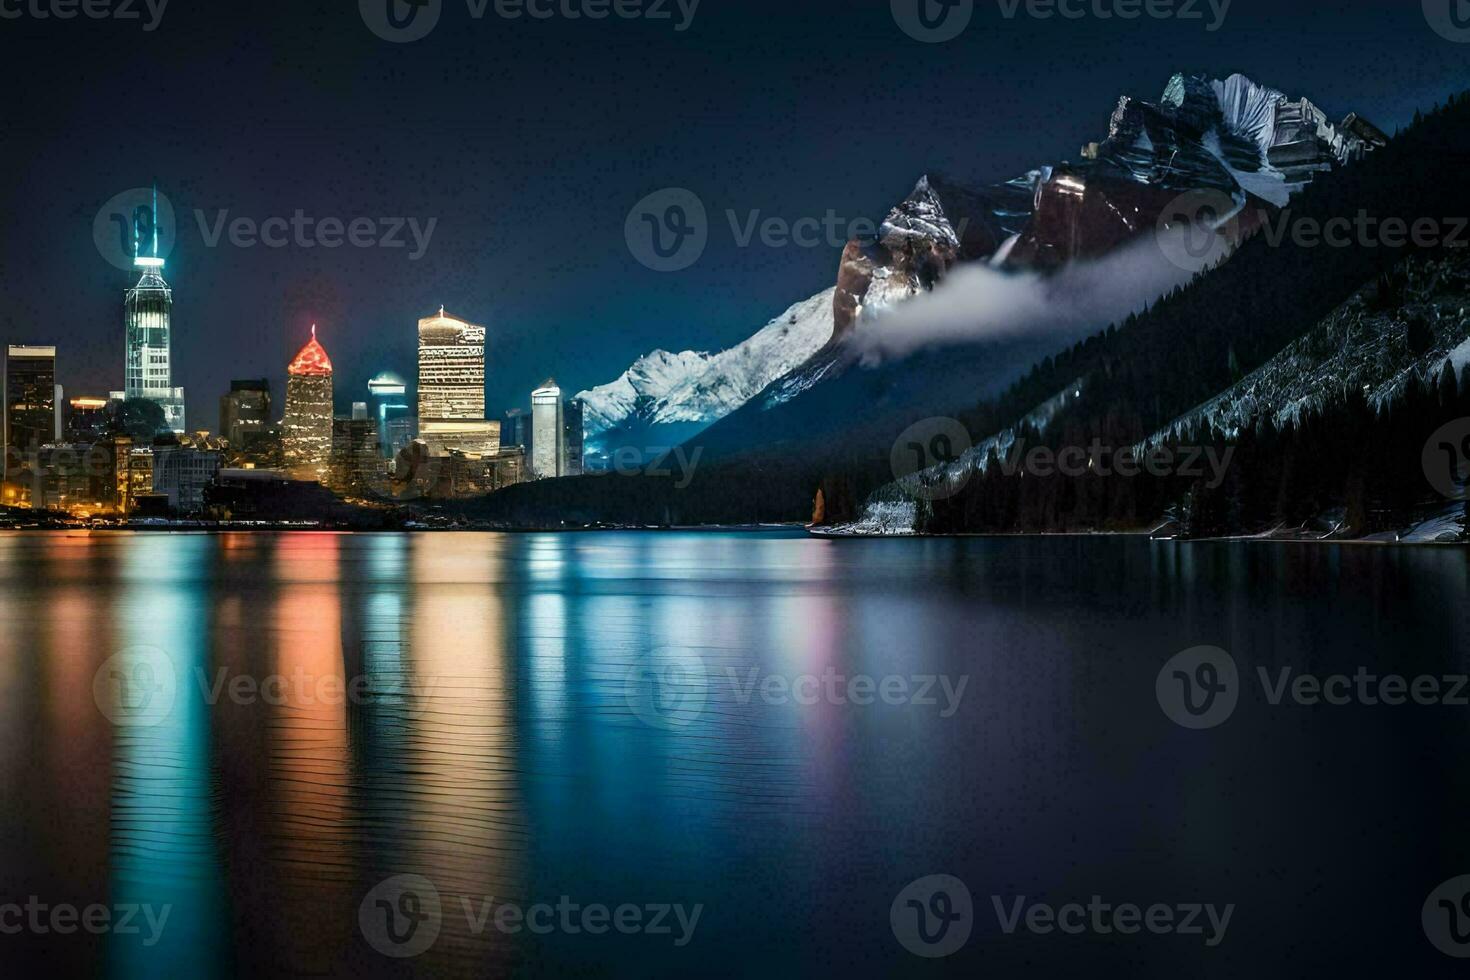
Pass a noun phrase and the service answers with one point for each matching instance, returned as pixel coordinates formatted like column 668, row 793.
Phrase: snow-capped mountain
column 696, row 388
column 1234, row 137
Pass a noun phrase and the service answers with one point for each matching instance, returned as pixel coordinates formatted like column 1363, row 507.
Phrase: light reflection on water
column 494, row 744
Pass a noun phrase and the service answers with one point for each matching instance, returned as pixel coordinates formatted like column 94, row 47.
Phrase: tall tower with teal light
column 148, row 315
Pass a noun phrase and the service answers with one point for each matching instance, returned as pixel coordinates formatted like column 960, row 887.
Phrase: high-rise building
column 148, row 313
column 181, row 473
column 391, row 409
column 571, row 440
column 306, row 431
column 86, row 420
column 245, row 413
column 452, row 388
column 451, row 368
column 515, row 429
column 548, row 430
column 357, row 466
column 31, row 413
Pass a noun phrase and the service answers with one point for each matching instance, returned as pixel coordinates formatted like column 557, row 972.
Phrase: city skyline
column 529, row 232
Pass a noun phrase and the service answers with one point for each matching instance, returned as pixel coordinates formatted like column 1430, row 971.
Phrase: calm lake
column 720, row 754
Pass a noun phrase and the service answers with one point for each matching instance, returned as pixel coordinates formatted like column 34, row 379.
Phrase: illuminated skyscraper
column 395, row 418
column 452, row 388
column 306, row 431
column 148, row 312
column 31, row 416
column 451, row 368
column 548, row 428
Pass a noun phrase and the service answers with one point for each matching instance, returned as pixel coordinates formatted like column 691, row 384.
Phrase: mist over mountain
column 1053, row 252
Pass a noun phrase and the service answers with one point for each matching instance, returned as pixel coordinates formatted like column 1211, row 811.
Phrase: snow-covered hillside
column 1362, row 345
column 696, row 387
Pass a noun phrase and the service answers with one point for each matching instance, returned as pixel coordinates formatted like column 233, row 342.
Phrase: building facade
column 245, row 413
column 306, row 431
column 451, row 368
column 31, row 411
column 86, row 420
column 548, row 428
column 515, row 429
column 181, row 473
column 148, row 319
column 391, row 409
column 358, row 468
column 571, row 438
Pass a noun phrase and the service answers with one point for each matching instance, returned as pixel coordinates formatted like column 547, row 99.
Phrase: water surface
column 607, row 719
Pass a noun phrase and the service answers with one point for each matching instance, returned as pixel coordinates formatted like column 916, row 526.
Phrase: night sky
column 529, row 141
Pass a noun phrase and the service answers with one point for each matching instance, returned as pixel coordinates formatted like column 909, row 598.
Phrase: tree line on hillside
column 1364, row 463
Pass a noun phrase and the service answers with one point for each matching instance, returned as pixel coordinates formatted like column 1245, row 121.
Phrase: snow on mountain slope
column 698, row 387
column 1232, row 136
column 1359, row 346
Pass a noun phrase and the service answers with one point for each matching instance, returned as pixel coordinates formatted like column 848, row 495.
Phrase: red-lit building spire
column 311, row 361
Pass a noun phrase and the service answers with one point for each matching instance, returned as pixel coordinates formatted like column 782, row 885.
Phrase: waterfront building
column 86, row 420
column 394, row 415
column 451, row 368
column 139, row 474
column 245, row 414
column 182, row 472
column 358, row 468
column 515, row 429
column 72, row 477
column 571, row 440
column 306, row 431
column 148, row 316
column 548, row 428
column 31, row 411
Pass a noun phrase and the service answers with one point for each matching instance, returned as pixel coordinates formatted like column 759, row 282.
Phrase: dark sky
column 529, row 141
